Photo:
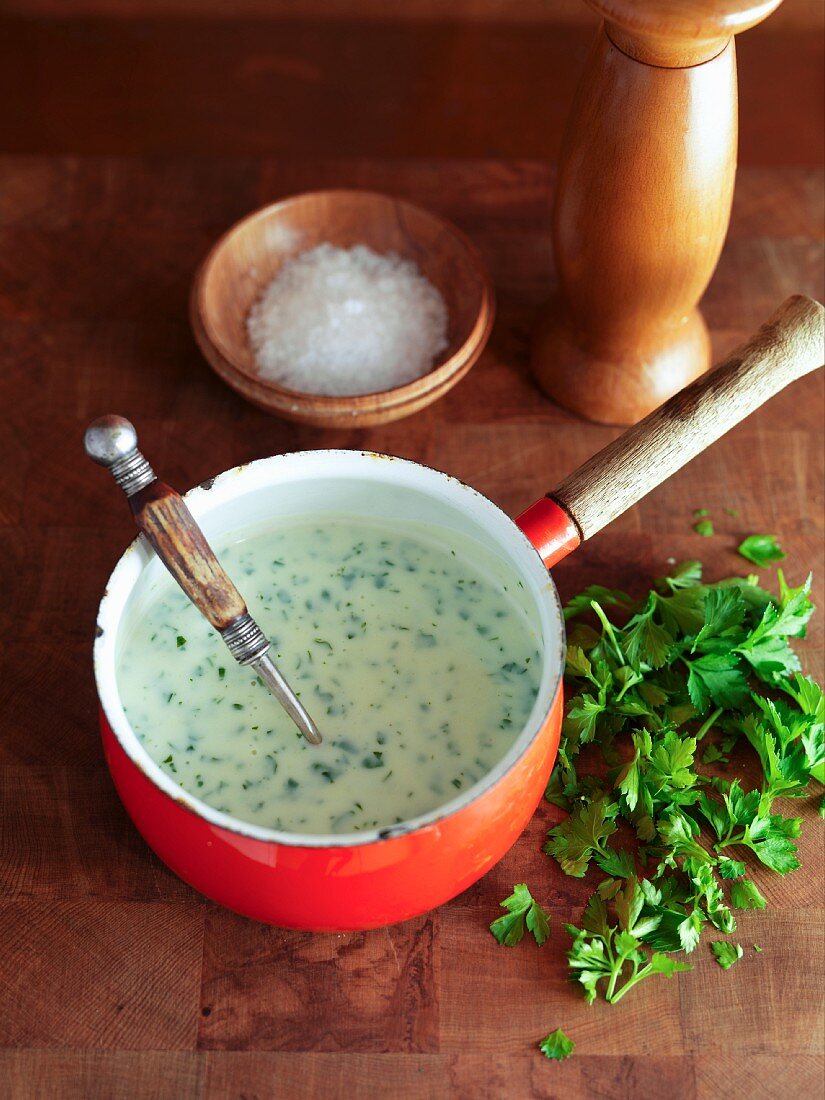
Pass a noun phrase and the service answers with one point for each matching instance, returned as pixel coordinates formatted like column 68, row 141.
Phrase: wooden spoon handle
column 164, row 518
column 788, row 346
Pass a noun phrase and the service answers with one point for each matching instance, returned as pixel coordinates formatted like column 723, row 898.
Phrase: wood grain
column 114, row 974
column 261, row 989
column 95, row 270
column 788, row 346
column 805, row 14
column 387, row 88
column 646, row 176
column 687, row 32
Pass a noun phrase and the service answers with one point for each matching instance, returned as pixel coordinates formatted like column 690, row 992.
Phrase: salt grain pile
column 347, row 321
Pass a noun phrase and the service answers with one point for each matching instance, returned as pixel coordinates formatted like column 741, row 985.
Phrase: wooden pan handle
column 164, row 518
column 788, row 346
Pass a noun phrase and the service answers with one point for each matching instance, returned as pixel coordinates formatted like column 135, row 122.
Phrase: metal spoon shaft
column 269, row 673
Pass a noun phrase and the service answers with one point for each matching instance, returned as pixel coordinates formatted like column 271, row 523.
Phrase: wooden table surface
column 116, row 979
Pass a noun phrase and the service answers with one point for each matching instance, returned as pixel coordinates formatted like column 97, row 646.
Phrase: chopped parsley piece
column 762, row 550
column 726, row 953
column 523, row 911
column 744, row 894
column 557, row 1046
column 704, row 528
column 181, row 641
column 583, row 836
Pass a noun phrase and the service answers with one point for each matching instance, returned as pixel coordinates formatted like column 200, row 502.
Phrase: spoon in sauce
column 164, row 518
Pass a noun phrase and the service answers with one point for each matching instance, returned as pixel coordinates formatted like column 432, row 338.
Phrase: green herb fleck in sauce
column 389, row 637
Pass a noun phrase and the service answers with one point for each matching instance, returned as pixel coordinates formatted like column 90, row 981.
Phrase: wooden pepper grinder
column 643, row 199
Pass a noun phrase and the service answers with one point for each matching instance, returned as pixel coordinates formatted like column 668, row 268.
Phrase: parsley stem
column 706, row 725
column 615, row 967
column 636, row 678
column 730, row 839
column 611, row 985
column 608, row 631
column 634, row 979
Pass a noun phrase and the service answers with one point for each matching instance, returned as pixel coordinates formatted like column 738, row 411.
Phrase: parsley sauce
column 420, row 669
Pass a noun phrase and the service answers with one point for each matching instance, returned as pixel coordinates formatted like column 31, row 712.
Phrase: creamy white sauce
column 419, row 667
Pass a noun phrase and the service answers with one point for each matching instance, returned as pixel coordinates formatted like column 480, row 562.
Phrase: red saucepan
column 366, row 880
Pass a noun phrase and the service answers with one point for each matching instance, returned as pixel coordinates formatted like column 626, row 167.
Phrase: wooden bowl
column 250, row 255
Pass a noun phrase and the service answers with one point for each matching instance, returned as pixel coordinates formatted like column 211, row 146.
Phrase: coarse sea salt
column 348, row 321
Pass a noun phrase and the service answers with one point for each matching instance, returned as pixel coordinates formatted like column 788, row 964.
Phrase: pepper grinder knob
column 111, row 441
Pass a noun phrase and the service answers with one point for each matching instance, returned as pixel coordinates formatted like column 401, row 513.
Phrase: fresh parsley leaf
column 680, row 918
column 576, row 663
column 523, row 911
column 795, row 606
column 705, row 893
column 766, row 647
column 686, row 574
column 771, row 839
column 650, row 679
column 603, row 952
column 557, row 1046
column 616, row 863
column 713, row 755
column 762, row 550
column 704, row 528
column 582, row 718
column 683, row 612
column 584, row 834
column 717, row 678
column 784, row 762
column 645, row 642
column 810, row 724
column 730, row 868
column 724, row 611
column 744, row 894
column 726, row 953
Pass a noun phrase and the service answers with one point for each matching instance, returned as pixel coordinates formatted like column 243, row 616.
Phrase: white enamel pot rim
column 471, row 511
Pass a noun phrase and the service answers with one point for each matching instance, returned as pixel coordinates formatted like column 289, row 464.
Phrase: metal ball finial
column 110, row 439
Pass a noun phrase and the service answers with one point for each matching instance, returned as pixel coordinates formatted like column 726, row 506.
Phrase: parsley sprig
column 523, row 911
column 615, row 953
column 648, row 682
column 689, row 660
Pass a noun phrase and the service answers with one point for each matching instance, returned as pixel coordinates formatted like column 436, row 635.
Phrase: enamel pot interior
column 367, row 878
